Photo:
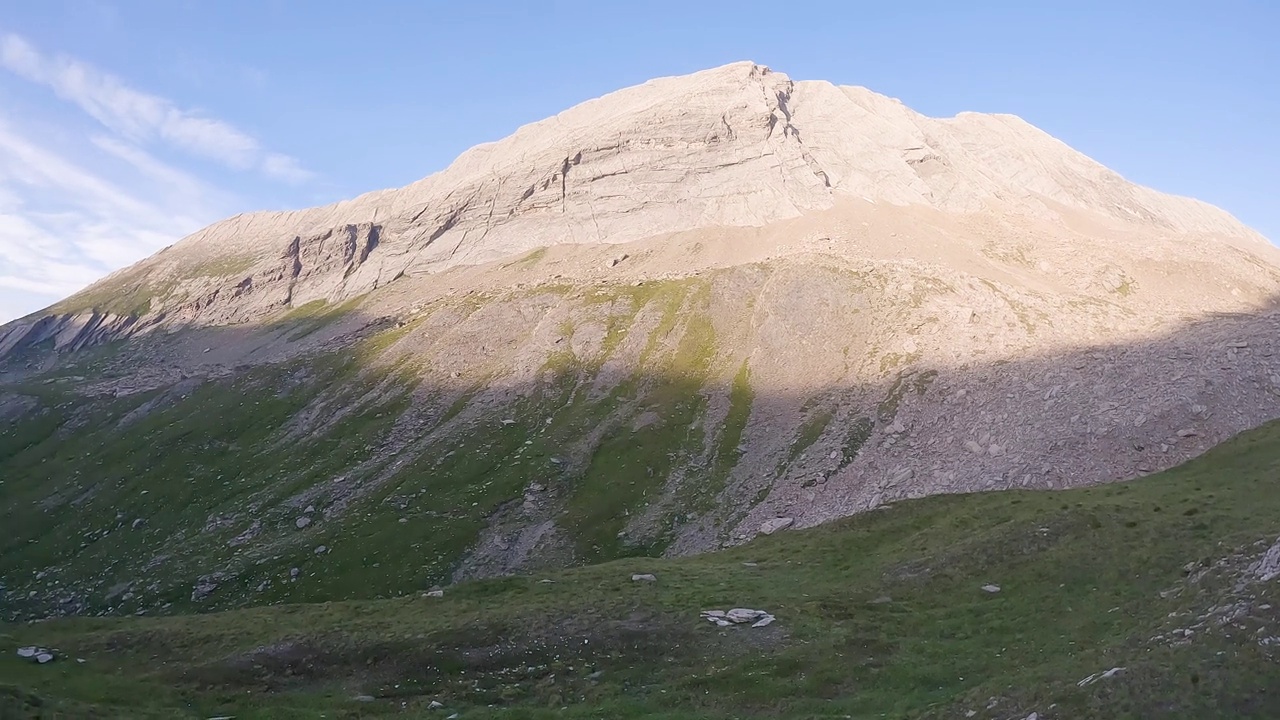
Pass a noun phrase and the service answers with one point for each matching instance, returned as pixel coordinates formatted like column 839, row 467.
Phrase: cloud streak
column 144, row 118
column 62, row 226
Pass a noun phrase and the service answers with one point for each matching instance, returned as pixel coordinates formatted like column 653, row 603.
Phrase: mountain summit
column 736, row 146
column 659, row 323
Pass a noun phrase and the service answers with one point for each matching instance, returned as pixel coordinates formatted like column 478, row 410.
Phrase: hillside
column 1150, row 599
column 654, row 325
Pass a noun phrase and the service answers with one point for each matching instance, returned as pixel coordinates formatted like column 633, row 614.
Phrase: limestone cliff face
column 737, row 146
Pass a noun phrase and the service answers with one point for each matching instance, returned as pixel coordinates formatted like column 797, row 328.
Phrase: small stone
column 882, row 600
column 138, row 523
column 991, row 588
column 433, row 594
column 294, row 572
column 644, row 577
column 973, row 446
column 721, row 622
column 596, row 675
column 364, row 698
column 310, row 509
column 557, row 461
column 713, row 613
column 763, row 622
column 1187, row 433
column 773, row 525
column 321, row 549
column 435, row 705
column 44, row 657
column 750, row 564
column 27, row 652
column 302, row 522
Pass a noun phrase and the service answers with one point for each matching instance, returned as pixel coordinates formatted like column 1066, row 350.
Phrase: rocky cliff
column 655, row 323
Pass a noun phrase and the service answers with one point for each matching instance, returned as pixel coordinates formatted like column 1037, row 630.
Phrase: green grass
column 310, row 318
column 728, row 448
column 879, row 615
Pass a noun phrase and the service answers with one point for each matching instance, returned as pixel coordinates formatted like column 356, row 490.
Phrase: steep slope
column 735, row 146
column 1151, row 599
column 652, row 325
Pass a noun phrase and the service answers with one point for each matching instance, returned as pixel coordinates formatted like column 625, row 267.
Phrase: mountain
column 660, row 323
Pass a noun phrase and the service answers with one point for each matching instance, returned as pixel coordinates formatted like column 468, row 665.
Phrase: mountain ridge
column 808, row 314
column 426, row 226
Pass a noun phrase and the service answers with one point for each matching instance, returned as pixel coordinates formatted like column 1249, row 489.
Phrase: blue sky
column 124, row 125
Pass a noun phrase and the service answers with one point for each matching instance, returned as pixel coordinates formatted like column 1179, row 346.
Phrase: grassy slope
column 1082, row 574
column 156, row 498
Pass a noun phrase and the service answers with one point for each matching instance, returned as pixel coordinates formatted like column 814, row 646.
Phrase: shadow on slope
column 879, row 615
column 343, row 456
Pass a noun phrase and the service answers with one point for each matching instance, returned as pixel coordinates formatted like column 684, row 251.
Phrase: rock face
column 736, row 146
column 826, row 303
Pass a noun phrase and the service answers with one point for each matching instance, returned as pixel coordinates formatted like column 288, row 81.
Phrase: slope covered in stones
column 1151, row 599
column 651, row 325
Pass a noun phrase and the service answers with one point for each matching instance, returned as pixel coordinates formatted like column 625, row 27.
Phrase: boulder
column 744, row 615
column 302, row 522
column 644, row 577
column 773, row 525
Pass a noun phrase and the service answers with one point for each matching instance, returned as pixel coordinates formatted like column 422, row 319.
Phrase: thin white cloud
column 283, row 167
column 62, row 226
column 141, row 117
column 150, row 167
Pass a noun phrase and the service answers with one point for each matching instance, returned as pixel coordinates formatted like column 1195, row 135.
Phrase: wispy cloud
column 62, row 226
column 144, row 118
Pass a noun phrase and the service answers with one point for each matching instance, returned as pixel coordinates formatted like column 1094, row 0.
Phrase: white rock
column 991, row 588
column 433, row 594
column 435, row 705
column 30, row 652
column 773, row 525
column 644, row 577
column 1269, row 566
column 744, row 615
column 321, row 549
column 44, row 657
column 302, row 522
column 713, row 613
column 764, row 621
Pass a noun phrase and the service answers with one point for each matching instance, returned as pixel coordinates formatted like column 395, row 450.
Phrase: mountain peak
column 734, row 146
